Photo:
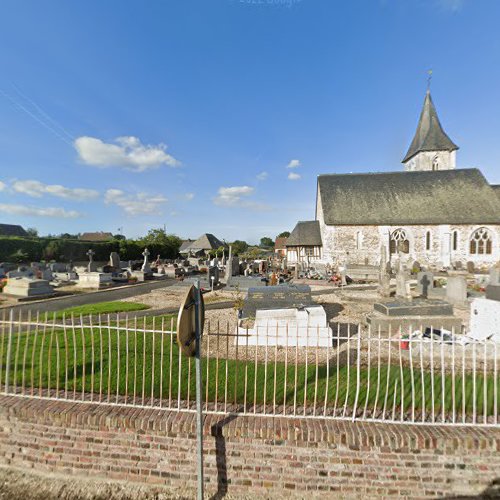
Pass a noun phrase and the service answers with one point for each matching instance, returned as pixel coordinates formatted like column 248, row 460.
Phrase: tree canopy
column 266, row 242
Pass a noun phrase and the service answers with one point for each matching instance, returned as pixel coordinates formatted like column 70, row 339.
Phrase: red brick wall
column 254, row 455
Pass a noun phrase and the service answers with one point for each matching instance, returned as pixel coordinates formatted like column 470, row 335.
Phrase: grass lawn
column 99, row 360
column 101, row 308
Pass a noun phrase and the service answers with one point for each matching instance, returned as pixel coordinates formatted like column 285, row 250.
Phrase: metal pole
column 199, row 413
column 9, row 350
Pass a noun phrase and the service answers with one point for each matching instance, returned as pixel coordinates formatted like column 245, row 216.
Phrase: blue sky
column 217, row 115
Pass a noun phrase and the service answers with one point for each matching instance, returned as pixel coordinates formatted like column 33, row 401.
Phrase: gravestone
column 485, row 319
column 92, row 266
column 58, row 267
column 384, row 278
column 402, row 284
column 415, row 314
column 425, row 283
column 288, row 327
column 456, row 290
column 94, row 280
column 114, row 260
column 146, row 268
column 213, row 272
column 276, row 297
column 493, row 289
column 25, row 287
column 22, row 272
column 235, row 266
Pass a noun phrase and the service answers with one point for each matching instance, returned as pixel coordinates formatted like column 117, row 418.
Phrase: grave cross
column 90, row 254
column 425, row 282
column 145, row 265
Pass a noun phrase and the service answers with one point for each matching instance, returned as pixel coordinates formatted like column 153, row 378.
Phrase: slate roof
column 305, row 233
column 185, row 245
column 99, row 236
column 12, row 230
column 396, row 198
column 206, row 241
column 430, row 135
column 496, row 188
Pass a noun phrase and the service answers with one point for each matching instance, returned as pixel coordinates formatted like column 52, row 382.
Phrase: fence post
column 9, row 350
column 199, row 414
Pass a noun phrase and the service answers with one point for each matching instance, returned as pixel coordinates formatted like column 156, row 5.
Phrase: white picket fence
column 359, row 375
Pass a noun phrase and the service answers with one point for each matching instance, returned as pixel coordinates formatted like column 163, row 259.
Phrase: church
column 430, row 212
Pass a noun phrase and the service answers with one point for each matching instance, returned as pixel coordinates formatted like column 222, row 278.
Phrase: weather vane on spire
column 429, row 78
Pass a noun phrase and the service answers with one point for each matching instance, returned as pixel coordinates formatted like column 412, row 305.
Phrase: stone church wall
column 361, row 244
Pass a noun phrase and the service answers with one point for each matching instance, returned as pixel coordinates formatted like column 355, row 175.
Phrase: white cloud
column 262, row 176
column 38, row 189
column 228, row 196
column 135, row 204
column 128, row 152
column 451, row 5
column 293, row 164
column 292, row 176
column 2, row 186
column 39, row 211
column 189, row 196
column 236, row 196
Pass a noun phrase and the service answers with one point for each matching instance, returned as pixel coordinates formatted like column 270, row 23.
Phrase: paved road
column 58, row 303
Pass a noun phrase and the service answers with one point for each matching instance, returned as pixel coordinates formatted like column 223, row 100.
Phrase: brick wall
column 253, row 455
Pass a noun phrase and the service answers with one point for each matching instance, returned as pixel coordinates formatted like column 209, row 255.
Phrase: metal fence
column 359, row 374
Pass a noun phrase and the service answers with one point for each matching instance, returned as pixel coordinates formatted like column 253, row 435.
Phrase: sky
column 218, row 115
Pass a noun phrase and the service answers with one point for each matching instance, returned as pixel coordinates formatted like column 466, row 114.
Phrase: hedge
column 65, row 250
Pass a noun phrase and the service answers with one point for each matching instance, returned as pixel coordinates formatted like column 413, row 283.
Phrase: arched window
column 359, row 240
column 481, row 242
column 399, row 242
column 435, row 163
column 454, row 241
column 428, row 240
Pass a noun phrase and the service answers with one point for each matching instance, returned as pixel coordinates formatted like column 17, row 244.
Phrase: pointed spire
column 430, row 135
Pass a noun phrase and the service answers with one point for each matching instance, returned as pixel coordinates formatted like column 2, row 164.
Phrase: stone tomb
column 416, row 314
column 485, row 319
column 291, row 327
column 276, row 297
column 24, row 287
column 94, row 280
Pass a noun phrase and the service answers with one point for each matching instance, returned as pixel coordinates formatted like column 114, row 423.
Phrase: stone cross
column 145, row 266
column 425, row 282
column 90, row 254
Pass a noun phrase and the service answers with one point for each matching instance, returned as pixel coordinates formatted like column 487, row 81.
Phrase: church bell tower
column 431, row 148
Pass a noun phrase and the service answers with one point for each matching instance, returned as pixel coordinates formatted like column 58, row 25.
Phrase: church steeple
column 431, row 148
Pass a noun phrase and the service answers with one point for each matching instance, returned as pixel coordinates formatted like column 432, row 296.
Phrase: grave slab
column 276, row 297
column 416, row 307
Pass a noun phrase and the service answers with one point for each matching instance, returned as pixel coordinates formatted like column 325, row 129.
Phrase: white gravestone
column 24, row 287
column 288, row 327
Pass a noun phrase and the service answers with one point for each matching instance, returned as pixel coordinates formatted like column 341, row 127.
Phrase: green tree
column 161, row 243
column 19, row 256
column 239, row 247
column 54, row 250
column 32, row 232
column 266, row 242
column 284, row 234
